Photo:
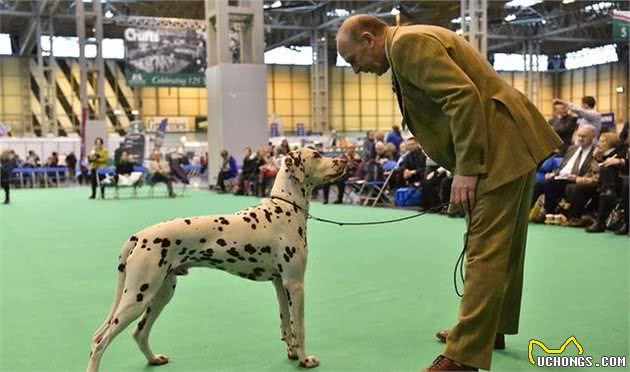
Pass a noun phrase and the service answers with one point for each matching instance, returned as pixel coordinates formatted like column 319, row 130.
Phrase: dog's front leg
column 285, row 318
column 295, row 297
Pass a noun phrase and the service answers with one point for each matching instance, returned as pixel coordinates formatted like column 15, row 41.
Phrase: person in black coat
column 7, row 164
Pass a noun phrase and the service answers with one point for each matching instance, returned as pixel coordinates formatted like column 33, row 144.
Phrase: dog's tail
column 122, row 262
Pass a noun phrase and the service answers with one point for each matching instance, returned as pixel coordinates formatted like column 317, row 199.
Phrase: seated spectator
column 579, row 194
column 578, row 168
column 228, row 170
column 368, row 147
column 32, row 160
column 411, row 169
column 125, row 175
column 395, row 137
column 586, row 113
column 391, row 152
column 249, row 173
column 354, row 162
column 563, row 124
column 160, row 171
column 267, row 171
column 432, row 187
column 613, row 185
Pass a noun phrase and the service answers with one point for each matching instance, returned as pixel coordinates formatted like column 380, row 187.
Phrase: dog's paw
column 158, row 360
column 292, row 353
column 310, row 361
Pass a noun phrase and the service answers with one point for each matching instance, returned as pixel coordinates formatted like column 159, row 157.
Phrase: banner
column 621, row 25
column 165, row 58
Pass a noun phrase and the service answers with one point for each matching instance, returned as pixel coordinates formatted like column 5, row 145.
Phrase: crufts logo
column 553, row 351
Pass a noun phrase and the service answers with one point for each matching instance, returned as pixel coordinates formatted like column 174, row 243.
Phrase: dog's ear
column 295, row 170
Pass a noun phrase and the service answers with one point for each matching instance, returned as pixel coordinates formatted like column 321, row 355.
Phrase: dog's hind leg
column 122, row 260
column 285, row 318
column 295, row 297
column 129, row 309
column 141, row 334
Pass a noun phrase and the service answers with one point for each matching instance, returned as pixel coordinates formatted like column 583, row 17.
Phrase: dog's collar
column 296, row 207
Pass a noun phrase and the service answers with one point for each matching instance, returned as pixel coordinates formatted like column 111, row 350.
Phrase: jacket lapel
column 395, row 84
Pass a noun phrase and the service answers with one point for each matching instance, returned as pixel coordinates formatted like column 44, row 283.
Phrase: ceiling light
column 276, row 4
column 619, row 89
column 109, row 14
column 567, row 1
column 510, row 17
column 395, row 11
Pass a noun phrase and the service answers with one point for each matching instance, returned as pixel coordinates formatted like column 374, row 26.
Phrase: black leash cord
column 460, row 261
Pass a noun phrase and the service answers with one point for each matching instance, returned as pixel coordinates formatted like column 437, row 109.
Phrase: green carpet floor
column 375, row 296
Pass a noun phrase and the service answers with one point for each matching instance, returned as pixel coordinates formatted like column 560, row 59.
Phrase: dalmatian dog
column 262, row 243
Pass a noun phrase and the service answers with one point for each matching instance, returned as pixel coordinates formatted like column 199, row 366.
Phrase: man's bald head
column 361, row 43
column 584, row 135
column 354, row 26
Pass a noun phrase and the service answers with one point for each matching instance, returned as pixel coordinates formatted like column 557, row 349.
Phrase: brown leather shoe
column 442, row 363
column 499, row 341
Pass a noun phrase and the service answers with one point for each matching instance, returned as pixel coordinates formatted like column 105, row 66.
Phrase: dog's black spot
column 253, row 226
column 133, row 239
column 183, row 251
column 202, row 240
column 192, row 252
column 178, row 242
column 223, row 221
column 288, row 214
column 247, row 219
column 121, row 267
column 221, row 242
column 293, row 249
column 116, row 321
column 252, row 259
column 266, row 249
column 250, row 249
column 174, row 286
column 289, row 298
column 125, row 291
column 144, row 241
column 187, row 221
column 148, row 310
column 220, row 267
column 253, row 215
column 300, row 230
column 148, row 249
column 141, row 324
column 242, row 275
column 220, row 228
column 278, row 210
column 143, row 246
column 144, row 287
column 164, row 252
column 286, row 258
column 241, row 258
column 303, row 191
column 233, row 252
column 267, row 215
column 280, row 267
column 139, row 297
column 162, row 262
column 231, row 260
column 166, row 243
column 215, row 261
column 258, row 271
column 157, row 241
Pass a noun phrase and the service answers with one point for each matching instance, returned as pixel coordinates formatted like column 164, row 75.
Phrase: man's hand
column 463, row 191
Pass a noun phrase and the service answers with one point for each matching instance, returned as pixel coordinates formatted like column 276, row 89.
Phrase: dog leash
column 460, row 260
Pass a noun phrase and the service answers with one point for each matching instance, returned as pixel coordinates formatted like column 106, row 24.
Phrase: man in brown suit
column 470, row 121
